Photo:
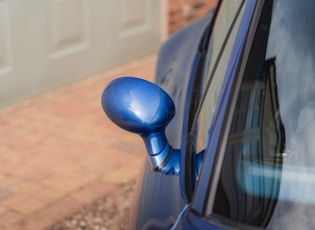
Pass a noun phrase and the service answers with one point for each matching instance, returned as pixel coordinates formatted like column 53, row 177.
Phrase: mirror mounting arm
column 172, row 165
column 162, row 157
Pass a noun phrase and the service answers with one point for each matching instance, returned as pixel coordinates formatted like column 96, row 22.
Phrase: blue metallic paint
column 193, row 217
column 137, row 105
column 175, row 71
column 156, row 191
column 191, row 220
column 158, row 203
column 175, row 68
column 142, row 107
column 208, row 172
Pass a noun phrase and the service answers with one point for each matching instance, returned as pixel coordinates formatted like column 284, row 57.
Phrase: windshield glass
column 267, row 177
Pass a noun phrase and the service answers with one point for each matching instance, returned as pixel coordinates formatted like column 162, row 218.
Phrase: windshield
column 267, row 176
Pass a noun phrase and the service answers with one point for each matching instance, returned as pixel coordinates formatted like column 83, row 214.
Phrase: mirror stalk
column 163, row 158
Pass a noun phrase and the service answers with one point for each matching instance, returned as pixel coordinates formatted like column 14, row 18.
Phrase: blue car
column 229, row 124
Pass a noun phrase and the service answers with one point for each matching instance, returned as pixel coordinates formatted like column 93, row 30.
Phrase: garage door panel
column 69, row 26
column 5, row 49
column 134, row 17
column 56, row 42
column 137, row 27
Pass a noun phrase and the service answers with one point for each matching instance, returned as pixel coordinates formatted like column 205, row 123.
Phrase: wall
column 184, row 12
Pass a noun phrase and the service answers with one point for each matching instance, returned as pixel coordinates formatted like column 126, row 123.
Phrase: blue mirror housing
column 142, row 107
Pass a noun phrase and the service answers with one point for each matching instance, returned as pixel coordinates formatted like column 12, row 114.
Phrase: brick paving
column 59, row 152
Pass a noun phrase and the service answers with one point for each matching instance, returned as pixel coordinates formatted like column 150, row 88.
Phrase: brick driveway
column 59, row 152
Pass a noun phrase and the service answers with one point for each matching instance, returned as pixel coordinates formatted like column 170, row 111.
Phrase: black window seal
column 194, row 103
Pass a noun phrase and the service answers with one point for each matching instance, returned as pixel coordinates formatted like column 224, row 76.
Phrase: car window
column 267, row 176
column 221, row 44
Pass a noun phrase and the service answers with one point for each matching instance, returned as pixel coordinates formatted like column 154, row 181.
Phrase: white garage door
column 47, row 43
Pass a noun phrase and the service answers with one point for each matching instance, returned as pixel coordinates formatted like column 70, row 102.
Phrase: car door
column 260, row 156
column 225, row 62
column 246, row 129
column 208, row 86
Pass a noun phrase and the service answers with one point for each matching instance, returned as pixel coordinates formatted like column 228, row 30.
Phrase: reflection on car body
column 240, row 150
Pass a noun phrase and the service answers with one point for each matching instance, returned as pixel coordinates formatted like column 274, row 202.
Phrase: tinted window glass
column 268, row 172
column 221, row 44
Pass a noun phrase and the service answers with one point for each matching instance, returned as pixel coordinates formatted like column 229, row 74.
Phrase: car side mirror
column 142, row 107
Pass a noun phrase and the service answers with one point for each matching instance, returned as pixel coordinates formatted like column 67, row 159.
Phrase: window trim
column 227, row 120
column 242, row 69
column 200, row 92
column 205, row 192
column 187, row 178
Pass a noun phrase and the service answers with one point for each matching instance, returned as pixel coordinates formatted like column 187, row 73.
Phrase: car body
column 229, row 123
